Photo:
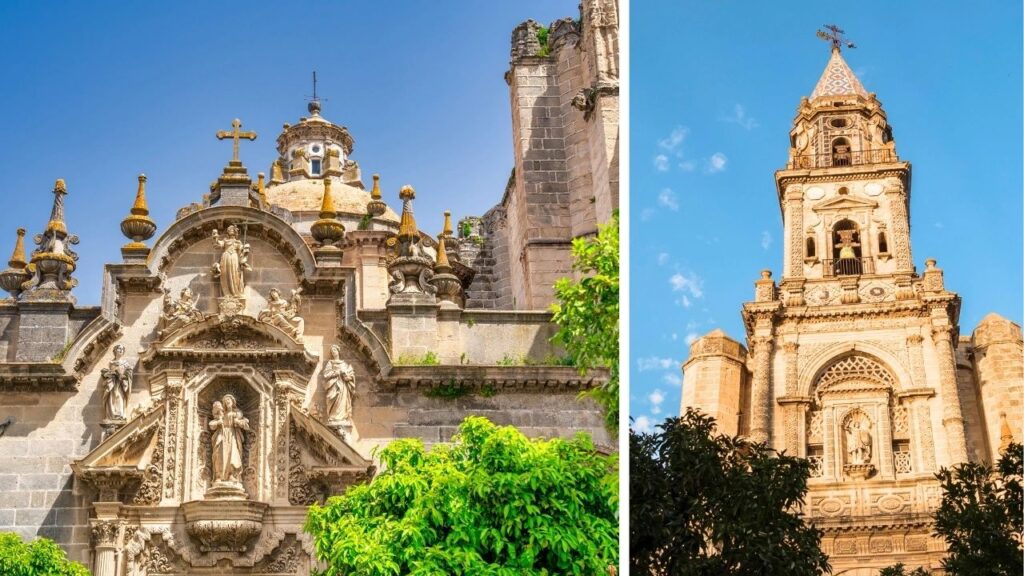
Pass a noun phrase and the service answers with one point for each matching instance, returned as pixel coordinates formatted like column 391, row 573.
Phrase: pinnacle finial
column 442, row 266
column 328, row 230
column 446, row 230
column 56, row 222
column 140, row 208
column 327, row 210
column 407, row 226
column 18, row 255
column 261, row 187
column 138, row 226
column 1005, row 433
column 375, row 191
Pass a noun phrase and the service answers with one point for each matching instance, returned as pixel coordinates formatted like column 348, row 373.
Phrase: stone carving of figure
column 180, row 311
column 117, row 378
column 340, row 380
column 858, row 443
column 228, row 424
column 284, row 313
column 234, row 260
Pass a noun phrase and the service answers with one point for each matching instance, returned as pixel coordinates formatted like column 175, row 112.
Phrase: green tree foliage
column 493, row 502
column 588, row 312
column 982, row 517
column 41, row 557
column 703, row 503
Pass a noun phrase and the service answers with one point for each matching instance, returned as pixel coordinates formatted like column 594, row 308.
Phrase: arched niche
column 849, row 429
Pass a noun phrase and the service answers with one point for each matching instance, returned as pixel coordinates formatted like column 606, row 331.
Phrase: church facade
column 855, row 359
column 245, row 361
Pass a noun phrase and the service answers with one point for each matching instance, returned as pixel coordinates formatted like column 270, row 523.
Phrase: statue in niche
column 284, row 313
column 117, row 378
column 180, row 311
column 228, row 424
column 340, row 379
column 234, row 260
column 858, row 441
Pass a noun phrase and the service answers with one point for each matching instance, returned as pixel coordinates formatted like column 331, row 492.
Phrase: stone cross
column 235, row 134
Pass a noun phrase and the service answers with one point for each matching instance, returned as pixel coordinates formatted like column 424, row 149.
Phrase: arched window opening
column 846, row 249
column 810, row 249
column 840, row 152
column 314, row 167
column 883, row 245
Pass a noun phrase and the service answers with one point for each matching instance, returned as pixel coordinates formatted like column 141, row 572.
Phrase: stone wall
column 564, row 100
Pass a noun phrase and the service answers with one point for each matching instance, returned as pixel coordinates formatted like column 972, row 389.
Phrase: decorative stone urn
column 224, row 525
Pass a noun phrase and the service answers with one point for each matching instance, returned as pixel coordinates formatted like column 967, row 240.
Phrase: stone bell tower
column 854, row 359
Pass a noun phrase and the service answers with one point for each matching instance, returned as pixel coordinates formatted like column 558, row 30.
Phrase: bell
column 847, row 252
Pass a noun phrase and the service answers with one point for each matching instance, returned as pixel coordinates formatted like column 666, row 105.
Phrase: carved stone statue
column 234, row 260
column 284, row 313
column 858, row 443
column 340, row 382
column 181, row 311
column 117, row 379
column 228, row 425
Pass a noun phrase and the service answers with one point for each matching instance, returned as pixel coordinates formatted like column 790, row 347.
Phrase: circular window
column 316, row 148
column 837, row 123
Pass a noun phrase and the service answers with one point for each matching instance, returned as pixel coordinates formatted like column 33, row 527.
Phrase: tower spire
column 314, row 101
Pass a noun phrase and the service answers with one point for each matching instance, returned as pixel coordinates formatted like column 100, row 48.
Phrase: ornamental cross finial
column 835, row 36
column 235, row 134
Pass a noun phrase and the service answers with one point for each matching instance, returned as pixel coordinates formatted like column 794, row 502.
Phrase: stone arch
column 824, row 359
column 197, row 226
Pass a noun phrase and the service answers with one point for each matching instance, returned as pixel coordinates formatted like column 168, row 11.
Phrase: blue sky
column 96, row 93
column 715, row 86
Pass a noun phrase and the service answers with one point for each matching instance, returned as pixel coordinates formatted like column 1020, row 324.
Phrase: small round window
column 316, row 148
column 837, row 123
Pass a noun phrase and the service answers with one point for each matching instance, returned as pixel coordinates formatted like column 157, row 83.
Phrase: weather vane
column 314, row 101
column 835, row 36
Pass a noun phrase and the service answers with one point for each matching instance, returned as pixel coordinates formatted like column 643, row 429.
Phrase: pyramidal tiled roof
column 838, row 79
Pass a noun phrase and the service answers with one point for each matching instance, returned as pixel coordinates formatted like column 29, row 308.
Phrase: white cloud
column 646, row 214
column 687, row 166
column 672, row 378
column 691, row 337
column 739, row 117
column 655, row 363
column 643, row 425
column 766, row 239
column 661, row 163
column 716, row 163
column 668, row 199
column 656, row 398
column 663, row 258
column 684, row 301
column 674, row 139
column 691, row 284
column 675, row 336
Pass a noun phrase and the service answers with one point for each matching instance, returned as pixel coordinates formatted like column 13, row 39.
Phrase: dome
column 307, row 196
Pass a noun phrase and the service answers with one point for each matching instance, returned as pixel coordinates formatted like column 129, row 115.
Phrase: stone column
column 921, row 437
column 952, row 416
column 760, row 409
column 900, row 236
column 104, row 543
column 795, row 412
column 794, row 265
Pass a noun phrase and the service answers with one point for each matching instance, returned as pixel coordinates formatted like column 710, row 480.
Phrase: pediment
column 126, row 458
column 844, row 202
column 320, row 462
column 235, row 338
